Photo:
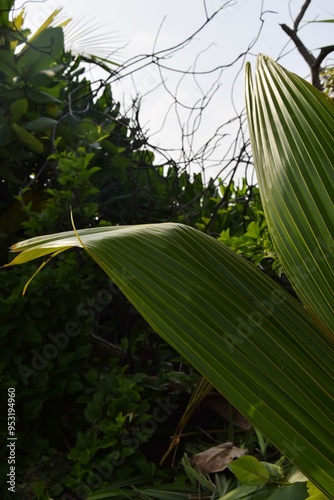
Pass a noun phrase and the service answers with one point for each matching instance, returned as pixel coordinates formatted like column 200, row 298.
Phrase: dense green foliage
column 97, row 392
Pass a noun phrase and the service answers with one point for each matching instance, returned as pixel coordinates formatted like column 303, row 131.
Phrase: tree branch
column 313, row 63
column 309, row 58
column 301, row 15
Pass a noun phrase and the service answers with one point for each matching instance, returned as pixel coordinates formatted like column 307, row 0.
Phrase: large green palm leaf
column 260, row 347
column 291, row 129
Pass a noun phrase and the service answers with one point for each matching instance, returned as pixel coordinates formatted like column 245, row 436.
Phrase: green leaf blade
column 197, row 319
column 291, row 127
column 249, row 471
column 253, row 341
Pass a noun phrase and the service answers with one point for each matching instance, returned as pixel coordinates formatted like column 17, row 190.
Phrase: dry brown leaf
column 217, row 458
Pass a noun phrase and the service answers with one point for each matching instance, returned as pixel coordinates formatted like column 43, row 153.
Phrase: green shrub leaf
column 249, row 471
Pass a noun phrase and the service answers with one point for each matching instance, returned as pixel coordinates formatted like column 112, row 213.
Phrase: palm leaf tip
column 290, row 125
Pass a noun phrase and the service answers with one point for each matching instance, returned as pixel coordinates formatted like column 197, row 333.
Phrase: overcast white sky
column 136, row 22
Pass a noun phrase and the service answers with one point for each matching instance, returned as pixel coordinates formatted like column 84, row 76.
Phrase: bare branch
column 314, row 63
column 307, row 55
column 301, row 15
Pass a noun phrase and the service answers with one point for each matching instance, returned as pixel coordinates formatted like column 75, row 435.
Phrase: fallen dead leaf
column 217, row 458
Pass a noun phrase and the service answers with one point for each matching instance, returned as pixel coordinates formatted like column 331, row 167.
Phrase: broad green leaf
column 314, row 493
column 249, row 471
column 253, row 230
column 291, row 128
column 18, row 108
column 41, row 124
column 6, row 6
column 41, row 97
column 7, row 64
column 42, row 51
column 255, row 343
column 28, row 139
column 43, row 78
column 275, row 471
